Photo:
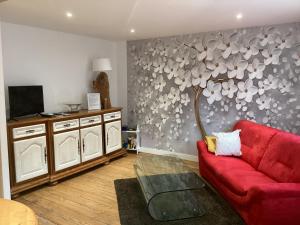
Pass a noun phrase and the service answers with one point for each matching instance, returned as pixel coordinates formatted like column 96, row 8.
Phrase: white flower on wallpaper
column 267, row 36
column 229, row 44
column 177, row 118
column 241, row 104
column 200, row 75
column 148, row 119
column 154, row 108
column 285, row 86
column 229, row 88
column 148, row 93
column 293, row 76
column 183, row 80
column 164, row 118
column 164, row 50
column 217, row 66
column 185, row 99
column 183, row 59
column 159, row 65
column 174, row 95
column 271, row 55
column 138, row 61
column 284, row 41
column 246, row 90
column 206, row 49
column 154, row 50
column 178, row 109
column 159, row 83
column 256, row 69
column 164, row 102
column 271, row 82
column 171, row 69
column 296, row 58
column 250, row 48
column 147, row 65
column 263, row 102
column 236, row 67
column 262, row 87
column 212, row 92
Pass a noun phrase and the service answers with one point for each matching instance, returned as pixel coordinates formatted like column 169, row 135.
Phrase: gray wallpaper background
column 261, row 68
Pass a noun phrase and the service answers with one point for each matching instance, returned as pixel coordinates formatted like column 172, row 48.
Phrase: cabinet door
column 30, row 158
column 91, row 142
column 66, row 149
column 113, row 136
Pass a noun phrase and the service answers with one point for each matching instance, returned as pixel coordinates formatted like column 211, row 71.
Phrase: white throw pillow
column 228, row 143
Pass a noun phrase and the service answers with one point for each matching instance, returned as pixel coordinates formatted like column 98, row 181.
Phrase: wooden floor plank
column 87, row 199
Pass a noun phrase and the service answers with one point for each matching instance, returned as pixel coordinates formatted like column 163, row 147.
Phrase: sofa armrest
column 202, row 148
column 274, row 204
column 275, row 190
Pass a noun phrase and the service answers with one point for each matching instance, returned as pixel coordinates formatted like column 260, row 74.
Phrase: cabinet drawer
column 65, row 125
column 90, row 120
column 112, row 116
column 29, row 131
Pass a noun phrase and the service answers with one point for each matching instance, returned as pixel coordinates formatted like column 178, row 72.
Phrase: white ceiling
column 113, row 19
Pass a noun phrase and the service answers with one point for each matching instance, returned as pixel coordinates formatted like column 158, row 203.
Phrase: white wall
column 121, row 59
column 4, row 168
column 61, row 62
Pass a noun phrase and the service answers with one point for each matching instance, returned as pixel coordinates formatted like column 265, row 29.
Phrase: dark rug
column 133, row 208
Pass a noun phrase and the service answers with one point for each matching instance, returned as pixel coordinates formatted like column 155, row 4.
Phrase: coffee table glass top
column 171, row 189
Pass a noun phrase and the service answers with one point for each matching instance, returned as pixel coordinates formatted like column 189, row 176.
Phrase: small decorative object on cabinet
column 45, row 150
column 93, row 100
column 73, row 107
column 132, row 138
column 101, row 85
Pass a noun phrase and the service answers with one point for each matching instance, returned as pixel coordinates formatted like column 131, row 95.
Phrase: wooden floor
column 87, row 199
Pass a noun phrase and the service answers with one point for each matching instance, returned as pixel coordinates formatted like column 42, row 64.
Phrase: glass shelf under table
column 170, row 188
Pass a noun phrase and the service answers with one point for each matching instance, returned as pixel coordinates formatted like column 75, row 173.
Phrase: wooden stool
column 15, row 213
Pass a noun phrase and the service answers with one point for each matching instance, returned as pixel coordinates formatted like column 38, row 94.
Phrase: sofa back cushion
column 281, row 160
column 255, row 139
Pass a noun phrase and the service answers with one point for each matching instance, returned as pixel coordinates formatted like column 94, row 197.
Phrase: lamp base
column 101, row 85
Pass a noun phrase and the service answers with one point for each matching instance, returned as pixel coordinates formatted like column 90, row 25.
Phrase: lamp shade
column 101, row 64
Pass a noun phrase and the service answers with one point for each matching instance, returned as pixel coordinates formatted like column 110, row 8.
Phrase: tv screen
column 25, row 100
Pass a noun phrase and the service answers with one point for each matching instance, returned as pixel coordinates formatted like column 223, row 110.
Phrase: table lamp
column 101, row 84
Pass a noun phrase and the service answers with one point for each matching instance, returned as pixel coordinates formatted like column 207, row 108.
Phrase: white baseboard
column 157, row 151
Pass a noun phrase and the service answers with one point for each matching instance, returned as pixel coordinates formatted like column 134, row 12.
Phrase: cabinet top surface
column 40, row 119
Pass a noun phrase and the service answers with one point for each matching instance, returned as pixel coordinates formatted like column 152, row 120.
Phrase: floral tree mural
column 248, row 73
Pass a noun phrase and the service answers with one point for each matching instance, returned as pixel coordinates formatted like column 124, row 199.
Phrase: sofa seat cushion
column 256, row 138
column 219, row 164
column 240, row 181
column 281, row 160
column 237, row 175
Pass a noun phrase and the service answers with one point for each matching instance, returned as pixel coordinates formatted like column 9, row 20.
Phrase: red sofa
column 263, row 185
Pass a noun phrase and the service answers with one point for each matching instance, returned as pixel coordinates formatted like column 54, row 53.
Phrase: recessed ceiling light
column 132, row 30
column 239, row 16
column 69, row 14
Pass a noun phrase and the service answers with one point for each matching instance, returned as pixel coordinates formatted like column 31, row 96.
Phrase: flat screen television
column 25, row 100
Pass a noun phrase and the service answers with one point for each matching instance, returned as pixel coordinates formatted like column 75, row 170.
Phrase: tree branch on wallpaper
column 250, row 73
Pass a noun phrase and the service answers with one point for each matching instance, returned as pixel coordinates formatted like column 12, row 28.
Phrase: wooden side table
column 15, row 213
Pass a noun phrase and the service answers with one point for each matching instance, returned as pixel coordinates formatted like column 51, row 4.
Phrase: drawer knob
column 67, row 125
column 91, row 121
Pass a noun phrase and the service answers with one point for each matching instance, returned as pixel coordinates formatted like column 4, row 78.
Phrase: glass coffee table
column 170, row 188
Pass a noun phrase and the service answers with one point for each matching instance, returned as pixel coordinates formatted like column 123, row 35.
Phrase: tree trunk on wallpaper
column 198, row 93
